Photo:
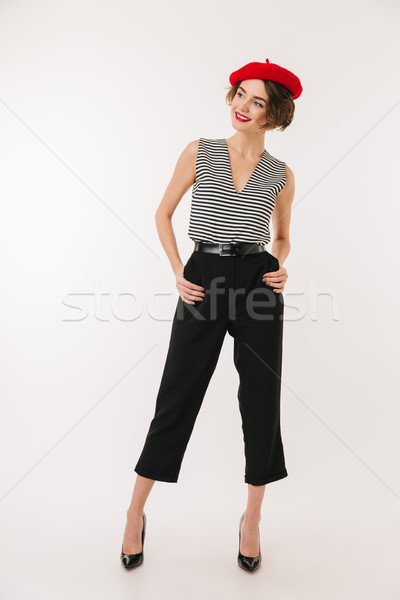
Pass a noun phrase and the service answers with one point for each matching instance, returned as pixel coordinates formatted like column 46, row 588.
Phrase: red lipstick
column 241, row 118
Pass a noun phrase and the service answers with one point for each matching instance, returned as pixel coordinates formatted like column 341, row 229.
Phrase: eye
column 259, row 104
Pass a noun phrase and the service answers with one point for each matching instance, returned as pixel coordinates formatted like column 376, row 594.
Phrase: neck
column 247, row 144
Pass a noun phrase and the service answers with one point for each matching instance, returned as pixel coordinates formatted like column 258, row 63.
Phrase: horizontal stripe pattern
column 218, row 213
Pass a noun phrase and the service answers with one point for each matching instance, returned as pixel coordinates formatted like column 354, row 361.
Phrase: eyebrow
column 258, row 97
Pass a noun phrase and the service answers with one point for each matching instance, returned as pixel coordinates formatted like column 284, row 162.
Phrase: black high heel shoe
column 130, row 561
column 248, row 563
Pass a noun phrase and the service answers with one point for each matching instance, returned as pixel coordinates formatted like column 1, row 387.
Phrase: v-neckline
column 230, row 169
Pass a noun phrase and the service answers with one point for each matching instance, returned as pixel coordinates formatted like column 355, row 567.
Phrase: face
column 248, row 106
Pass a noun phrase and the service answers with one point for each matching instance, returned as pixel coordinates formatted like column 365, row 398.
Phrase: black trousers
column 237, row 301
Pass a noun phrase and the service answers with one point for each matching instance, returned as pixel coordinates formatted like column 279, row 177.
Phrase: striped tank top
column 219, row 213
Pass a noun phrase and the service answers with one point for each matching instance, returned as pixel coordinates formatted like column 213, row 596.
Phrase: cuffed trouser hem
column 275, row 477
column 157, row 476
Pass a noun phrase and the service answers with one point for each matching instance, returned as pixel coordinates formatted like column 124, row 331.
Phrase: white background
column 97, row 101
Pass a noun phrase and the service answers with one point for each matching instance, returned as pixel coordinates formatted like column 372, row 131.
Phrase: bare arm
column 281, row 216
column 182, row 179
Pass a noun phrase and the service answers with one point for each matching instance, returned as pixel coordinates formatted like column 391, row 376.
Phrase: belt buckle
column 229, row 249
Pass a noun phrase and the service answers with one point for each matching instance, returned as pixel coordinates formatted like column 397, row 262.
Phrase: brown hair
column 280, row 108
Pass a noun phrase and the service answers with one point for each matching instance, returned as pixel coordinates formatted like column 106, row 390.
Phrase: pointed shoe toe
column 130, row 561
column 248, row 563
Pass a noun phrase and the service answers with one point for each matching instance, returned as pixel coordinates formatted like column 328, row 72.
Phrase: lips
column 241, row 117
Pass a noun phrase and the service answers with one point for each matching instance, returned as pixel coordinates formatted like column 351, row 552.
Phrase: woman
column 230, row 283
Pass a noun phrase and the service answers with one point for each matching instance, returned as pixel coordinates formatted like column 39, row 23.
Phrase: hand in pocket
column 276, row 279
column 189, row 292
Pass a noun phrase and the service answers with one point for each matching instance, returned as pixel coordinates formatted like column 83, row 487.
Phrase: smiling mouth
column 241, row 117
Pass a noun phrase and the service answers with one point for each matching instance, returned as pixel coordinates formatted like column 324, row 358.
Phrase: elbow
column 161, row 215
column 283, row 238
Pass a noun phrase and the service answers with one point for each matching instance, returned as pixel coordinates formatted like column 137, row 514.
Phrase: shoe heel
column 130, row 561
column 248, row 563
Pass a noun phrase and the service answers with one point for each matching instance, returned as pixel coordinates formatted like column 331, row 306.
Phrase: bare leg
column 249, row 543
column 134, row 515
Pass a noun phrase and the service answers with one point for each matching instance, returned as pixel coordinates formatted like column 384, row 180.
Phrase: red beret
column 271, row 71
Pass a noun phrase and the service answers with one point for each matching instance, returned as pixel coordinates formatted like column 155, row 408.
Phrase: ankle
column 252, row 516
column 133, row 515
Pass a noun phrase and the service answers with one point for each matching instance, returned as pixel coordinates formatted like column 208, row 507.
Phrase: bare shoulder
column 289, row 175
column 187, row 161
column 185, row 169
column 288, row 188
column 191, row 149
column 285, row 196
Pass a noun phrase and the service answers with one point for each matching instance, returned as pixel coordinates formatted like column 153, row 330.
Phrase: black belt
column 229, row 248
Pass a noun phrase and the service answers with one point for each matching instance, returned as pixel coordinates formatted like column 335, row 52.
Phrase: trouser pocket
column 275, row 262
